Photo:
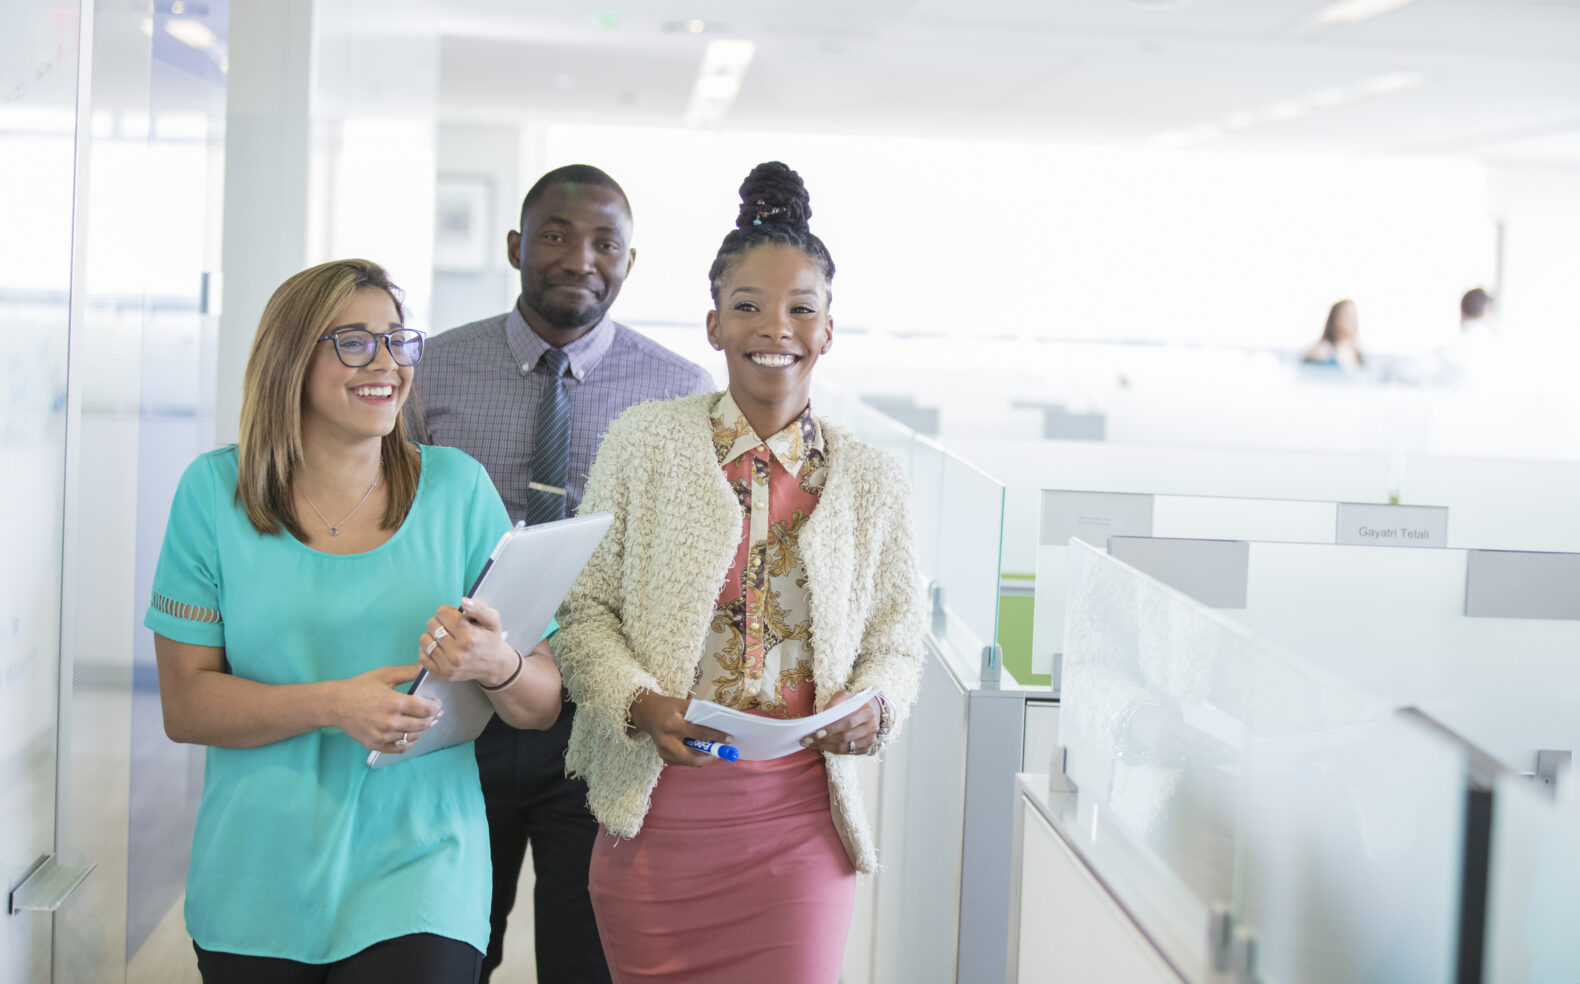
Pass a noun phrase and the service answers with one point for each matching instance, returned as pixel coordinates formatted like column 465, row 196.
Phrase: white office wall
column 1539, row 307
column 486, row 161
column 973, row 238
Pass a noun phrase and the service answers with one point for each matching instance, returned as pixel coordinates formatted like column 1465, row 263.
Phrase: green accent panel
column 1014, row 637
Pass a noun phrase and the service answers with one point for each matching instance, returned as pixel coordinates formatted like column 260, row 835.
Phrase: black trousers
column 532, row 804
column 421, row 958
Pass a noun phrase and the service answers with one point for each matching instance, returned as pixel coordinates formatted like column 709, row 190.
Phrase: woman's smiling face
column 772, row 324
column 363, row 403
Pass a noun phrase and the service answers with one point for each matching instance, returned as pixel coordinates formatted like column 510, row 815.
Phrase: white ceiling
column 1498, row 79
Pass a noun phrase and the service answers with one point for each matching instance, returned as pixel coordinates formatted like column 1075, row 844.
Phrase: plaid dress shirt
column 476, row 389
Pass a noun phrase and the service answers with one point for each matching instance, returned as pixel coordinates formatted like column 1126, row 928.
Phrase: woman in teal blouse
column 293, row 597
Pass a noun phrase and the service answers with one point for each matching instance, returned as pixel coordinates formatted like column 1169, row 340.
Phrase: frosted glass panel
column 1392, row 622
column 1331, row 829
column 1096, row 516
column 959, row 514
column 878, row 429
column 1153, row 700
column 1533, row 885
column 927, row 491
column 1353, row 839
column 38, row 74
column 970, row 528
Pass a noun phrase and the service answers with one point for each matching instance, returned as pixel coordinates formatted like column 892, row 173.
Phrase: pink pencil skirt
column 738, row 875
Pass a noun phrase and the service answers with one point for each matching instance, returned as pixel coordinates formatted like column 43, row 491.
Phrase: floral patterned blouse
column 759, row 646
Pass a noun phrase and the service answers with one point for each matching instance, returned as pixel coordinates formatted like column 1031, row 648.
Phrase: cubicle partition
column 1533, row 890
column 1298, row 764
column 938, row 907
column 1028, row 467
column 1499, row 503
column 1240, row 783
column 1097, row 516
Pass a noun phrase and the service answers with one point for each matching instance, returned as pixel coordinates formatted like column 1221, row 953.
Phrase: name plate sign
column 1093, row 516
column 1365, row 525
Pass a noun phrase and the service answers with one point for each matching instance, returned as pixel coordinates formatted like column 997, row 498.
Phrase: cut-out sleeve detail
column 185, row 599
column 181, row 610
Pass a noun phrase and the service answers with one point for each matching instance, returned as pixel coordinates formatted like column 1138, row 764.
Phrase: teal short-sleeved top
column 301, row 851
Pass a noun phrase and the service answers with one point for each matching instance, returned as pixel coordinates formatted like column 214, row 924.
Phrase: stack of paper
column 761, row 738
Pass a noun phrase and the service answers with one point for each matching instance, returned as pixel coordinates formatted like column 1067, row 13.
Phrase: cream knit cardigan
column 639, row 615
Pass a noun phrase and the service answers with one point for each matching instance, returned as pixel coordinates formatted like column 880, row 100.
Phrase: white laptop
column 525, row 579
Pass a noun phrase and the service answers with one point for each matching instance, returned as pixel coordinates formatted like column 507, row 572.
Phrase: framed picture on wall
column 462, row 204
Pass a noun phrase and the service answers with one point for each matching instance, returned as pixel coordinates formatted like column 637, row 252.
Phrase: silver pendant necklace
column 334, row 528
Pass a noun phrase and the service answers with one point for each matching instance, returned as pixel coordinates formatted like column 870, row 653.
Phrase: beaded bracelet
column 520, row 662
column 885, row 722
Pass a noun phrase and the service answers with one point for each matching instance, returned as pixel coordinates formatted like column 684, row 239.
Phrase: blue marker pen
column 728, row 753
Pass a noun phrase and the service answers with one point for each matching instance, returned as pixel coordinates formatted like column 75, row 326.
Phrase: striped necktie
column 551, row 449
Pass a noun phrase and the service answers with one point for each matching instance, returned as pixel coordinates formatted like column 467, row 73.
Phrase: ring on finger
column 401, row 742
column 851, row 750
column 439, row 633
column 431, row 647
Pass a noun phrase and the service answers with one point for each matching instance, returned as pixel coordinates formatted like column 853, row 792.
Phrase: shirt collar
column 585, row 353
column 733, row 436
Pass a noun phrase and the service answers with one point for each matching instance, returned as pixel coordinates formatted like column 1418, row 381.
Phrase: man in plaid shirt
column 479, row 388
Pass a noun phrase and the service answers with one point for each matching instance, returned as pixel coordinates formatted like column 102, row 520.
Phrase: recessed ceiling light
column 718, row 81
column 695, row 27
column 1289, row 109
column 730, row 54
column 1333, row 95
column 1382, row 85
column 1355, row 11
column 192, row 33
column 718, row 87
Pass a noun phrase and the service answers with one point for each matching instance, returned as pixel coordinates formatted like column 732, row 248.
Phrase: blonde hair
column 301, row 311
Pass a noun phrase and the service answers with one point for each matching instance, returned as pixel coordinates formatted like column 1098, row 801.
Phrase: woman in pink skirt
column 760, row 558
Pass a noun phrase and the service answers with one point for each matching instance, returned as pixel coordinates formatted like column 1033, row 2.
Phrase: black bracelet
column 520, row 662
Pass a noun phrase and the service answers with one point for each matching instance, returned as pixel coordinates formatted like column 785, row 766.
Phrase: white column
column 266, row 177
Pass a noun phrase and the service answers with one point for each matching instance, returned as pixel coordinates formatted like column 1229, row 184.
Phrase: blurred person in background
column 1475, row 356
column 1338, row 346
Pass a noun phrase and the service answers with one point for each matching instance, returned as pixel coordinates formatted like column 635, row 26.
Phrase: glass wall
column 39, row 66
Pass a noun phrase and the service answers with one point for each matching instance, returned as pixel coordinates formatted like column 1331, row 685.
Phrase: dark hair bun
column 774, row 195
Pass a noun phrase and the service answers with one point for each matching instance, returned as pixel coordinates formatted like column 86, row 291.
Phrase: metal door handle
column 47, row 886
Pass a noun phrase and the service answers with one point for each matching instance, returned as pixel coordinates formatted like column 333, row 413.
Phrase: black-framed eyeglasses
column 357, row 347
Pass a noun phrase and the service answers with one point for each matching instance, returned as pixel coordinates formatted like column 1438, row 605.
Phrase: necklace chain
column 334, row 528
